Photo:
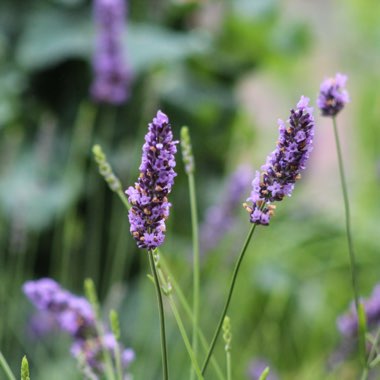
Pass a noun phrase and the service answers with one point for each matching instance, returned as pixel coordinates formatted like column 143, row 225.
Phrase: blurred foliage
column 189, row 58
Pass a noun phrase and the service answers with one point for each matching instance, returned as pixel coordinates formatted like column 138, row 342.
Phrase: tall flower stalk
column 188, row 160
column 149, row 202
column 276, row 180
column 332, row 98
column 173, row 285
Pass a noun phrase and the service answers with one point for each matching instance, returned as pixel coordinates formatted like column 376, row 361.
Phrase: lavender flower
column 284, row 165
column 150, row 206
column 75, row 316
column 348, row 322
column 220, row 217
column 333, row 96
column 112, row 75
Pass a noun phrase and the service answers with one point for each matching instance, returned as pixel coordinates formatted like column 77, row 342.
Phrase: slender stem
column 229, row 296
column 229, row 366
column 359, row 309
column 182, row 299
column 374, row 346
column 371, row 361
column 182, row 330
column 109, row 370
column 119, row 370
column 196, row 276
column 124, row 199
column 4, row 365
column 168, row 292
column 162, row 317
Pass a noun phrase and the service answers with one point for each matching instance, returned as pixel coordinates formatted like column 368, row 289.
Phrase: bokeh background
column 227, row 69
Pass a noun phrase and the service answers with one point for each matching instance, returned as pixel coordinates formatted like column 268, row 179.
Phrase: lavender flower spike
column 150, row 206
column 284, row 165
column 333, row 96
column 112, row 75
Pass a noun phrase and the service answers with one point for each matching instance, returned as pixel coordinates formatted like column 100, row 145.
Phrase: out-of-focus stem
column 4, row 365
column 359, row 307
column 196, row 276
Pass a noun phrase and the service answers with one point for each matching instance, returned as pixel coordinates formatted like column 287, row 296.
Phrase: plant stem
column 182, row 299
column 182, row 330
column 4, row 365
column 229, row 367
column 358, row 306
column 196, row 276
column 162, row 317
column 168, row 292
column 229, row 296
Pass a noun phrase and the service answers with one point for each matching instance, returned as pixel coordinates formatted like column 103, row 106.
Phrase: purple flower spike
column 112, row 75
column 150, row 206
column 333, row 95
column 284, row 165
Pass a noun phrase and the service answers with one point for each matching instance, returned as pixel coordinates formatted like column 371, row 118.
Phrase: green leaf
column 52, row 35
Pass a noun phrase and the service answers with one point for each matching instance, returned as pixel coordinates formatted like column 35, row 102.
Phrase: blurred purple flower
column 112, row 75
column 150, row 206
column 333, row 96
column 284, row 165
column 220, row 217
column 348, row 323
column 257, row 367
column 41, row 324
column 75, row 316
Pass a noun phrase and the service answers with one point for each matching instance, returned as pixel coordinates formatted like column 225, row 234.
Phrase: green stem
column 229, row 366
column 168, row 292
column 182, row 330
column 124, row 199
column 196, row 276
column 182, row 299
column 229, row 296
column 162, row 317
column 119, row 370
column 359, row 308
column 4, row 365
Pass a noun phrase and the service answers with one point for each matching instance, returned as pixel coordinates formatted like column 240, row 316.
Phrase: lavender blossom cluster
column 150, row 205
column 284, row 165
column 75, row 316
column 333, row 96
column 220, row 217
column 112, row 75
column 348, row 323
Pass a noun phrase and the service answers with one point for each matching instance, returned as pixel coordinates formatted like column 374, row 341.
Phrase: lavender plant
column 279, row 174
column 149, row 202
column 332, row 98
